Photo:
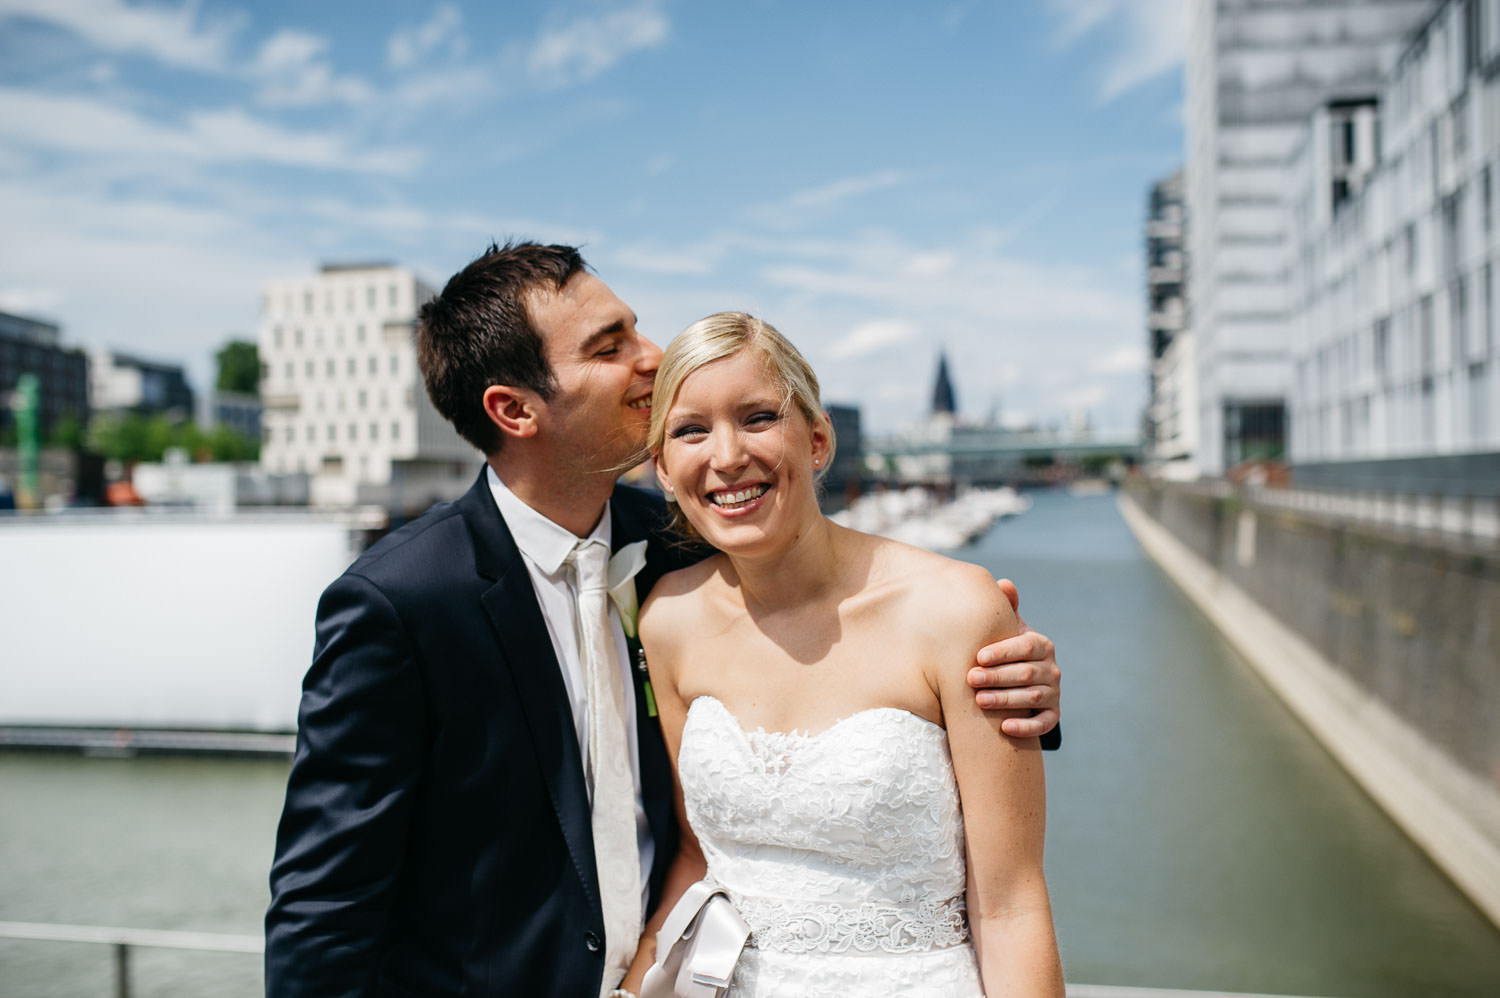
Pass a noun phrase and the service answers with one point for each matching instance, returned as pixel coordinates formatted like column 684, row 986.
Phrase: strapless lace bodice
column 843, row 850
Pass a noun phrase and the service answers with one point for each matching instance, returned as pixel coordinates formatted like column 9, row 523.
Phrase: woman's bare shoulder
column 945, row 596
column 681, row 592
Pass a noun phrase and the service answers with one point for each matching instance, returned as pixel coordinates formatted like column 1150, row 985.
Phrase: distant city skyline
column 879, row 182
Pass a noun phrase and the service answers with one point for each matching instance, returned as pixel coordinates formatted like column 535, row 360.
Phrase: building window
column 350, row 366
column 307, row 302
column 395, row 431
column 361, row 397
column 370, row 297
column 394, row 295
column 297, row 336
column 359, row 333
column 311, row 370
column 333, row 433
column 328, row 366
column 276, row 335
column 312, row 433
column 290, row 371
column 1487, row 199
column 353, row 432
column 1479, row 417
column 374, row 365
column 395, row 364
column 374, row 432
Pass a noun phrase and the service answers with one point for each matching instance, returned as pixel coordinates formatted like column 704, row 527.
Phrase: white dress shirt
column 544, row 548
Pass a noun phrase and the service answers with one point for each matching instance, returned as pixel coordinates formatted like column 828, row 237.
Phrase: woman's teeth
column 738, row 498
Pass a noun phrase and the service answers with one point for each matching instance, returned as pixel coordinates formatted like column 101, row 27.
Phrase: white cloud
column 849, row 187
column 174, row 35
column 873, row 337
column 411, row 45
column 1127, row 358
column 1149, row 37
column 30, row 301
column 589, row 46
column 294, row 74
column 84, row 125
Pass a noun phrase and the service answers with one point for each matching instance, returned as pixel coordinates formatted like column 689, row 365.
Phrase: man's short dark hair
column 478, row 333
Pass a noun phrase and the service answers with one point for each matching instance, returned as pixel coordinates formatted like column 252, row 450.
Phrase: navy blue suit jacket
column 435, row 838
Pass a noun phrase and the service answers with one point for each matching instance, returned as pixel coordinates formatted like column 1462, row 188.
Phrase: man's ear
column 513, row 410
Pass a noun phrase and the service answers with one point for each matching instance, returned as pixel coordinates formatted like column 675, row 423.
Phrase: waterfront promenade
column 1199, row 837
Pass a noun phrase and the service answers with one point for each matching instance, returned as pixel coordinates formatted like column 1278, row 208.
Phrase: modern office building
column 1171, row 437
column 1397, row 375
column 240, row 411
column 122, row 382
column 1257, row 70
column 344, row 401
column 31, row 346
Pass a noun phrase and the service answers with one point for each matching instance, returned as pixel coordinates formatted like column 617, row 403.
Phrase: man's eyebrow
column 613, row 329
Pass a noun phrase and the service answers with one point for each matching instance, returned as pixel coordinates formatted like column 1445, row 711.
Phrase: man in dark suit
column 436, row 838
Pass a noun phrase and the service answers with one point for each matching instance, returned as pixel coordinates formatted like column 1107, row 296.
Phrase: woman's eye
column 763, row 418
column 690, row 430
column 609, row 351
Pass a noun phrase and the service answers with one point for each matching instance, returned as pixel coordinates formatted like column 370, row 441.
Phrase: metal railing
column 123, row 940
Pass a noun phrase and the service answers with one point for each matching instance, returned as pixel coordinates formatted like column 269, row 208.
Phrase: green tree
column 239, row 368
column 67, row 432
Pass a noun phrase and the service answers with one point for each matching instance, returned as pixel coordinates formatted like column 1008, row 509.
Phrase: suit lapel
column 633, row 518
column 526, row 651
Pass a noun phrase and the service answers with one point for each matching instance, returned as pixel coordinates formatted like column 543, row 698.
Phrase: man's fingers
column 1028, row 646
column 1018, row 698
column 1011, row 593
column 1030, row 727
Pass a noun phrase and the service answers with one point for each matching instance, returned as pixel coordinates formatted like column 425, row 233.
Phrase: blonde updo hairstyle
column 725, row 334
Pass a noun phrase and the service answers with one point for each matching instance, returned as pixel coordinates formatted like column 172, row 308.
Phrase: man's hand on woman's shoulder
column 1019, row 672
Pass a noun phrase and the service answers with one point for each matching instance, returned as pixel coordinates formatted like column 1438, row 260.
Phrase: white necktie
column 616, row 855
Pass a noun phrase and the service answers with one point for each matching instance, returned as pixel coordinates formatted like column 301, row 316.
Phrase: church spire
column 942, row 391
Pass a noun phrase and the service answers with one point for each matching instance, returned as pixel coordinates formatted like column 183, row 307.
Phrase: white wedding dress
column 843, row 850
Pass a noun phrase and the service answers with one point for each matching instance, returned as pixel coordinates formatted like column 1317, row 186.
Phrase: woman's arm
column 1003, row 792
column 659, row 639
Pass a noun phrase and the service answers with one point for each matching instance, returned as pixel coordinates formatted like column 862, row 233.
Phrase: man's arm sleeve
column 343, row 831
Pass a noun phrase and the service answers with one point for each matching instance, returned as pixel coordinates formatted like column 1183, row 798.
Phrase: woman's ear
column 661, row 478
column 822, row 441
column 513, row 410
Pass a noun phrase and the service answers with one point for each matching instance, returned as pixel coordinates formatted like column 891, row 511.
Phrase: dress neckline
column 796, row 734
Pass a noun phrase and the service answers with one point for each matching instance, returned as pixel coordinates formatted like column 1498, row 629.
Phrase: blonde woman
column 873, row 825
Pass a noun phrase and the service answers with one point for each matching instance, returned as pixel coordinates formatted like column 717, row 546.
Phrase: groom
column 437, row 835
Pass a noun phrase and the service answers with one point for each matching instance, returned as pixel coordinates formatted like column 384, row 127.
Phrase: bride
column 872, row 824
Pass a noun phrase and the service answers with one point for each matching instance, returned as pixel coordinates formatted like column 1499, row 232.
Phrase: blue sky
column 878, row 179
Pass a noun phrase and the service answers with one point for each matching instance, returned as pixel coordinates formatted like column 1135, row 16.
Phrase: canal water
column 1198, row 836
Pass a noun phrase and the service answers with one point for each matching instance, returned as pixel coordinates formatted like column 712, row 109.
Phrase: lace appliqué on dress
column 824, row 927
column 842, row 849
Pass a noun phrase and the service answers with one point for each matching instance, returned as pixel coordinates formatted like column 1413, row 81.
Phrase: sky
column 880, row 180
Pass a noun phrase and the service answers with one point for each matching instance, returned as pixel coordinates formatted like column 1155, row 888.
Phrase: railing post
column 122, row 970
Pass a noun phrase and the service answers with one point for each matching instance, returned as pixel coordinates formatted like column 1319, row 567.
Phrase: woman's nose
column 728, row 452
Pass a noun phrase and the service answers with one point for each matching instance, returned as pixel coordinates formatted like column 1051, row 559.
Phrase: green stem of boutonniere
column 638, row 657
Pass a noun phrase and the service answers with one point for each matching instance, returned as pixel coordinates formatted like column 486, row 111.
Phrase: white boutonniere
column 623, row 566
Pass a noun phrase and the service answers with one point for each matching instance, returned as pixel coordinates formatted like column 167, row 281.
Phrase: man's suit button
column 593, row 942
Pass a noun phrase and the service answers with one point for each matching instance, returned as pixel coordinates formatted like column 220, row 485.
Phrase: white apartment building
column 1256, row 71
column 1172, row 409
column 344, row 401
column 1395, row 353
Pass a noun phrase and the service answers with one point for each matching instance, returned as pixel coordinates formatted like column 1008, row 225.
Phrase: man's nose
column 650, row 357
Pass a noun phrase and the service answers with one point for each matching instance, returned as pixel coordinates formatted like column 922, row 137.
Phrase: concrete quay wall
column 1385, row 642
